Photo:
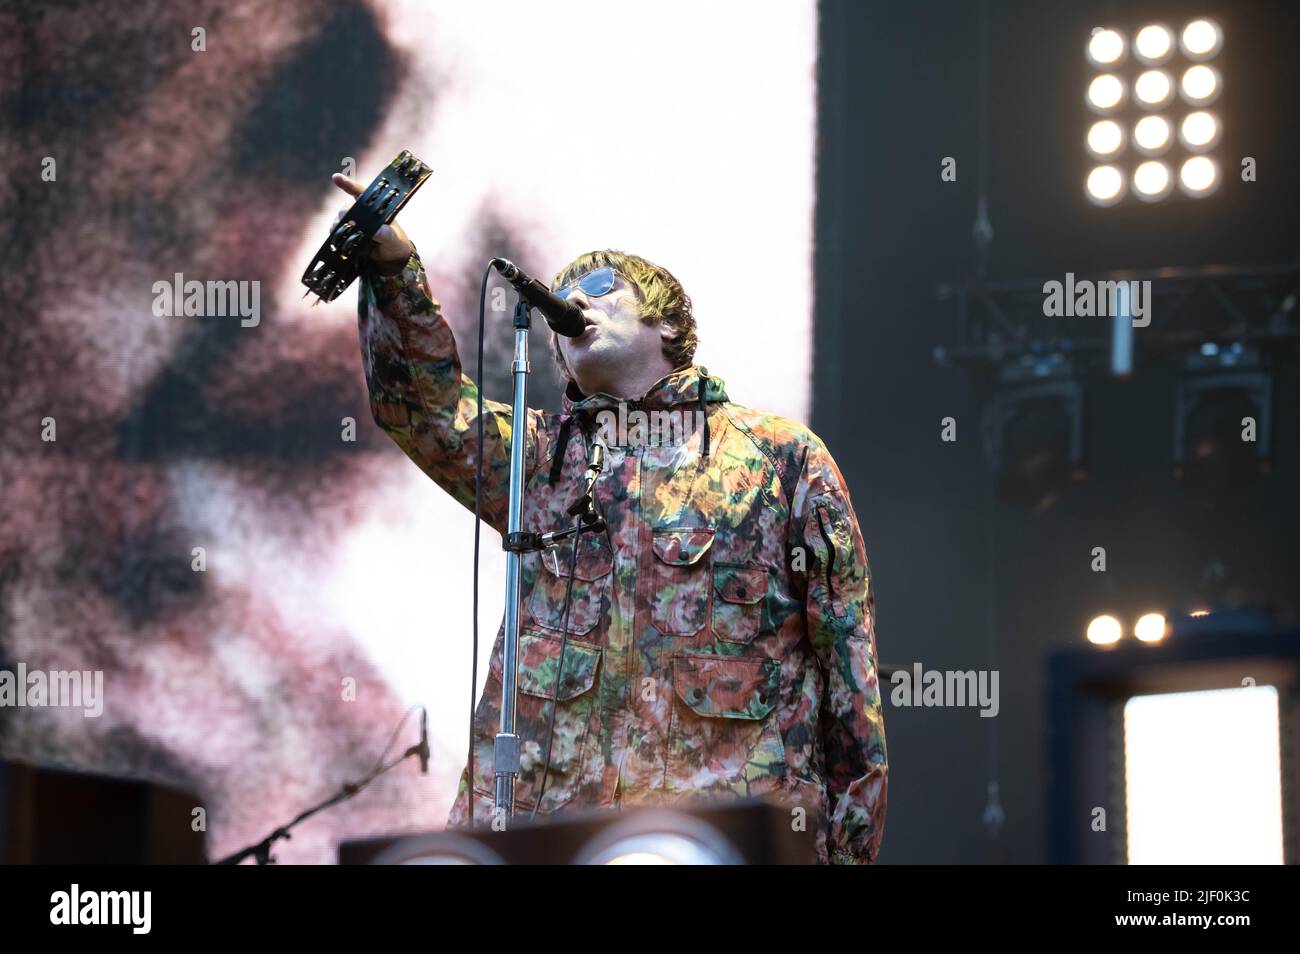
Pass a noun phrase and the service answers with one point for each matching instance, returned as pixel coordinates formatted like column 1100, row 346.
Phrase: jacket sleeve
column 840, row 613
column 420, row 398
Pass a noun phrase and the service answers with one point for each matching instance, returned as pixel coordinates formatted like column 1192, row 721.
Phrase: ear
column 666, row 332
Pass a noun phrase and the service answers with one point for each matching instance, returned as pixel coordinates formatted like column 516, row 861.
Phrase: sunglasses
column 593, row 284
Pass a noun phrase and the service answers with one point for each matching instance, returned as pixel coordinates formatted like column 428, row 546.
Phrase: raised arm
column 418, row 394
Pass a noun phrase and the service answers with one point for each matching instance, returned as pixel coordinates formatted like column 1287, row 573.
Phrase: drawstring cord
column 562, row 445
column 703, row 389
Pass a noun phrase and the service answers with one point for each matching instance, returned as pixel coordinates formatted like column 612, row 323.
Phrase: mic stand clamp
column 548, row 543
column 525, row 542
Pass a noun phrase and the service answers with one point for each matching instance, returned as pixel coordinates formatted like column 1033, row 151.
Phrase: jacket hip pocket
column 544, row 689
column 680, row 587
column 724, row 736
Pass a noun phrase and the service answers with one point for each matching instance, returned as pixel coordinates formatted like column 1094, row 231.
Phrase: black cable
column 396, row 732
column 478, row 523
column 559, row 669
column 702, row 389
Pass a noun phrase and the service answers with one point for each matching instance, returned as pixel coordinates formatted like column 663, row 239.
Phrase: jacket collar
column 679, row 387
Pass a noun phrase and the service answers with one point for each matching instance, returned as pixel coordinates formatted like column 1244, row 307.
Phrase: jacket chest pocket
column 590, row 585
column 680, row 584
column 724, row 736
column 738, row 598
column 544, row 693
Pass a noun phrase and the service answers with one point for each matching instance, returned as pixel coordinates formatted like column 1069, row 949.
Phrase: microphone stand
column 261, row 851
column 505, row 751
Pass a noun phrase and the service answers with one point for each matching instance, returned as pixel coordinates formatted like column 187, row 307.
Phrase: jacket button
column 741, row 591
column 696, row 694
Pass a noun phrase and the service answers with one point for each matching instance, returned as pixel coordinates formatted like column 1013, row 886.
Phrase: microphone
column 564, row 317
column 595, row 464
column 424, row 741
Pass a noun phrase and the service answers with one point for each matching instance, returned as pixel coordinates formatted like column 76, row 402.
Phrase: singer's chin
column 580, row 352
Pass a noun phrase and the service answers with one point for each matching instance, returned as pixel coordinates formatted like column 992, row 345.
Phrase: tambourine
column 339, row 261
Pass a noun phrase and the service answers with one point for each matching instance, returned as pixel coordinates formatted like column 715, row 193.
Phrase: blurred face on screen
column 183, row 525
column 620, row 353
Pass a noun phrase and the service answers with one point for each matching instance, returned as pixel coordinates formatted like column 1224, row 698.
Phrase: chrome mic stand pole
column 505, row 752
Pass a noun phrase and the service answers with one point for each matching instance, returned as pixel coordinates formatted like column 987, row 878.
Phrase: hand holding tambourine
column 366, row 231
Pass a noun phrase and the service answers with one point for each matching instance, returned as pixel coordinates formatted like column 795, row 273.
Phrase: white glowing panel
column 1203, row 777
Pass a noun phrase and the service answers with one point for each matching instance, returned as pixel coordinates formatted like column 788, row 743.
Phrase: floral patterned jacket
column 720, row 634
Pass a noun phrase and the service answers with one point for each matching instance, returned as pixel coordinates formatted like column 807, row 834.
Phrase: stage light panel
column 1169, row 65
column 1203, row 777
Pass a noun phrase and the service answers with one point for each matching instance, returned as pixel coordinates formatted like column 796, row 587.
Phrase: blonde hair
column 662, row 299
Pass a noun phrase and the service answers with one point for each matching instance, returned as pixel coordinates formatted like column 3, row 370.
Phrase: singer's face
column 618, row 346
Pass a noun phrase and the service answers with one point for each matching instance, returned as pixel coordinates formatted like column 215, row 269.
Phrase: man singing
column 720, row 633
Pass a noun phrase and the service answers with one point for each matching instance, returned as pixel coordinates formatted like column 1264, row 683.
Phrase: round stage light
column 1104, row 631
column 1151, row 135
column 1200, row 85
column 444, row 848
column 1105, row 92
column 659, row 838
column 1199, row 176
column 1153, row 44
column 1105, row 185
column 1150, row 628
column 1152, row 181
column 1201, row 39
column 1105, row 47
column 1153, row 89
column 1105, row 138
column 1199, row 131
column 658, row 850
